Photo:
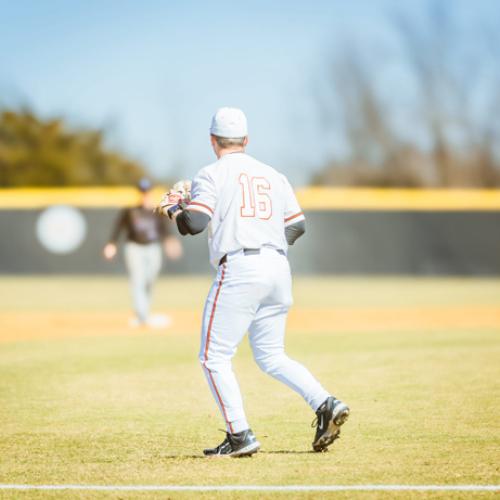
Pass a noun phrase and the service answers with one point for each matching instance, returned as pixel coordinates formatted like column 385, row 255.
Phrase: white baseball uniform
column 249, row 204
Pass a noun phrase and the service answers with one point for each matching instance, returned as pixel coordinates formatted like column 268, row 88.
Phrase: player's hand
column 173, row 248
column 109, row 251
column 168, row 201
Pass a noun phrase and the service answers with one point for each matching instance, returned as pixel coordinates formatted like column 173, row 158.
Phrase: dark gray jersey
column 141, row 225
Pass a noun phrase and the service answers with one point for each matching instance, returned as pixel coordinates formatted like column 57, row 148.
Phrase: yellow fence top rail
column 311, row 198
column 319, row 198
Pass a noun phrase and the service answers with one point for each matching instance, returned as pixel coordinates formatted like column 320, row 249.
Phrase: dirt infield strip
column 15, row 326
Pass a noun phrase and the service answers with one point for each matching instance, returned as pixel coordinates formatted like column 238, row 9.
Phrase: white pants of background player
column 143, row 265
column 251, row 293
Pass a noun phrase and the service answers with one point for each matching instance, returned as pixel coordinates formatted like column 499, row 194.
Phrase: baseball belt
column 250, row 251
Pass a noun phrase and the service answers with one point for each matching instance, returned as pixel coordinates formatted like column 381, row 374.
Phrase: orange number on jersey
column 248, row 205
column 256, row 201
column 261, row 189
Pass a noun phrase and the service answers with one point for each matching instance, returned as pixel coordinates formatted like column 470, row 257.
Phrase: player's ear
column 245, row 141
column 213, row 142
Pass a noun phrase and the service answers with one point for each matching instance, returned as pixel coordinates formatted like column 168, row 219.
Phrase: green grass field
column 86, row 400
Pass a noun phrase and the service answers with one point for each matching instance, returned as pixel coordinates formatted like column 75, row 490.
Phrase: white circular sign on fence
column 61, row 229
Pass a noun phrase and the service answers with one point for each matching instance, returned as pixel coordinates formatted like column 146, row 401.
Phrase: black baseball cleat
column 329, row 417
column 240, row 444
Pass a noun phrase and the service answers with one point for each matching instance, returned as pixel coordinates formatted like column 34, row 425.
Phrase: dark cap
column 144, row 185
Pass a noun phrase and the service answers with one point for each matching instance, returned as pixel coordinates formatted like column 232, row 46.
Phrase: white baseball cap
column 230, row 123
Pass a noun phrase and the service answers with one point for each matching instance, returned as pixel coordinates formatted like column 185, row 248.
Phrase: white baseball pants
column 143, row 264
column 251, row 293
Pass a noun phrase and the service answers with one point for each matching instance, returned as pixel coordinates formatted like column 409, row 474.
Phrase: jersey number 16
column 256, row 201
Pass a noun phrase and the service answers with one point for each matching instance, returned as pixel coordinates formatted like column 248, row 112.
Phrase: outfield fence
column 349, row 231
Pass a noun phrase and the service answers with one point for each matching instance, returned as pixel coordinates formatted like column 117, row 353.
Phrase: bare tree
column 454, row 81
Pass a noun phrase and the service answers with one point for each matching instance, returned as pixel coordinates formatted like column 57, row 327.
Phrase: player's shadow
column 182, row 457
column 262, row 452
column 286, row 452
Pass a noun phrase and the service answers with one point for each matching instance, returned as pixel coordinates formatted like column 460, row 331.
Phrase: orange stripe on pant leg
column 220, row 400
column 209, row 330
column 212, row 313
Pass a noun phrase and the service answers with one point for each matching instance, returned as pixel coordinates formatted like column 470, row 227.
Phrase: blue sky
column 153, row 72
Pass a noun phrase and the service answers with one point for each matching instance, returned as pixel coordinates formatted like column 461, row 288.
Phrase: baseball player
column 144, row 230
column 252, row 216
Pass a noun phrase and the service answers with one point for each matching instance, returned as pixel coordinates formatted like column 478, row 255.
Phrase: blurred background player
column 146, row 232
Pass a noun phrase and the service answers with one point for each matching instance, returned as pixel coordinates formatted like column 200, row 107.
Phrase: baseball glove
column 175, row 199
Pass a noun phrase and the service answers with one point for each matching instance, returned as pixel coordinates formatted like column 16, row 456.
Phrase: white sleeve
column 203, row 194
column 293, row 212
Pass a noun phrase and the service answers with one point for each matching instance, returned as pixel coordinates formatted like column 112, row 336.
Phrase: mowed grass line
column 251, row 495
column 135, row 409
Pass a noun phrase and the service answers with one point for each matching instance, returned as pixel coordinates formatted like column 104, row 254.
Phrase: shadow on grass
column 288, row 452
column 270, row 452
